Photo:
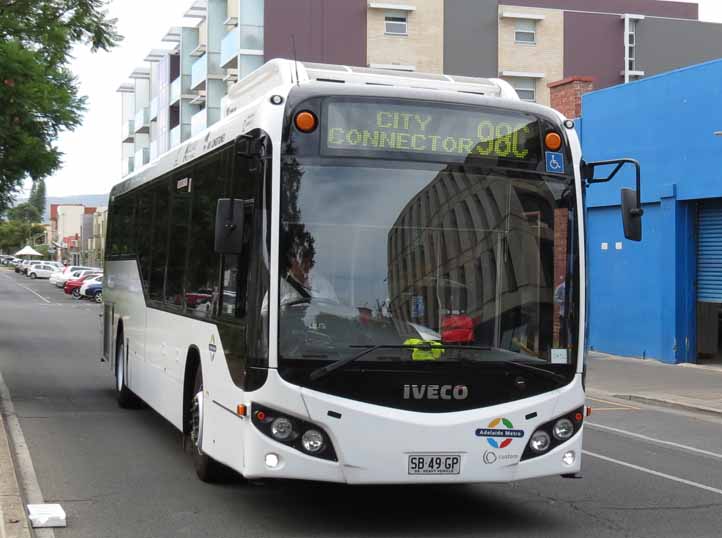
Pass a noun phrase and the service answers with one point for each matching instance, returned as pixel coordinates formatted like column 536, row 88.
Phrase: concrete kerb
column 656, row 400
column 20, row 463
column 13, row 519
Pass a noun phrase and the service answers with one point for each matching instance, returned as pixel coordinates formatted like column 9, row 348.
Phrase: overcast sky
column 92, row 152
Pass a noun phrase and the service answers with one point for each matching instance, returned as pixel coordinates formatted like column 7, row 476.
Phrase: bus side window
column 121, row 241
column 236, row 267
column 159, row 240
column 202, row 281
column 180, row 214
column 143, row 238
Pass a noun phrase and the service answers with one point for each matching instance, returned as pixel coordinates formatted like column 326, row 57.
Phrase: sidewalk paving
column 13, row 521
column 683, row 386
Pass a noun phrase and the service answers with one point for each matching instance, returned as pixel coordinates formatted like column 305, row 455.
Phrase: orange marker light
column 305, row 121
column 241, row 410
column 553, row 141
column 589, row 411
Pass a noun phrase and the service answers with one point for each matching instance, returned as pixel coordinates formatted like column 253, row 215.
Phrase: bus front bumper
column 375, row 445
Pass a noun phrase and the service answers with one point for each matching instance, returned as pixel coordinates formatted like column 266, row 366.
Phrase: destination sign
column 437, row 131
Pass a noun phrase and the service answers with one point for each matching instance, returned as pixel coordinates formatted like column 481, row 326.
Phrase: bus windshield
column 412, row 257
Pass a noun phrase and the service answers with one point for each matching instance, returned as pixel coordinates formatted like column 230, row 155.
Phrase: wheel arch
column 193, row 363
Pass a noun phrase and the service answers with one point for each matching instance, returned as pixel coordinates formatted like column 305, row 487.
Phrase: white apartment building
column 177, row 93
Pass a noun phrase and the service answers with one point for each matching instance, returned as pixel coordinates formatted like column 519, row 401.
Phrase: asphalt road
column 124, row 473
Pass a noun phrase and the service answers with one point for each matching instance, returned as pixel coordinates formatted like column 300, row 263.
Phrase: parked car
column 29, row 267
column 59, row 279
column 40, row 270
column 19, row 266
column 72, row 287
column 92, row 289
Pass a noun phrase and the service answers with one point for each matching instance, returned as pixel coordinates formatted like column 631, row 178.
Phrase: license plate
column 434, row 464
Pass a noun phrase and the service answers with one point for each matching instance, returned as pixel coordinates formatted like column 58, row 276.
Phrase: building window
column 525, row 31
column 396, row 24
column 525, row 88
column 632, row 45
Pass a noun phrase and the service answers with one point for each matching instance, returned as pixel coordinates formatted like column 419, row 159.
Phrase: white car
column 54, row 266
column 40, row 270
column 73, row 271
column 90, row 282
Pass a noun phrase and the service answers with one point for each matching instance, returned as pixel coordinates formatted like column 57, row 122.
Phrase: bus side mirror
column 631, row 215
column 230, row 215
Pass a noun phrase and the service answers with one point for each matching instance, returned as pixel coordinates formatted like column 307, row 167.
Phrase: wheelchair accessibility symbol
column 555, row 162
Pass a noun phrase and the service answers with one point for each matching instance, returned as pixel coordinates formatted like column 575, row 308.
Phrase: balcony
column 142, row 120
column 199, row 71
column 154, row 109
column 179, row 134
column 175, row 136
column 199, row 122
column 128, row 133
column 230, row 47
column 128, row 166
column 142, row 157
column 175, row 91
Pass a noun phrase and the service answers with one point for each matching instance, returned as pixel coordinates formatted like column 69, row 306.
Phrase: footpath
column 683, row 386
column 13, row 521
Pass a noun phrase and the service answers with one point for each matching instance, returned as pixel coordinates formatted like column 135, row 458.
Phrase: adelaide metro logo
column 492, row 433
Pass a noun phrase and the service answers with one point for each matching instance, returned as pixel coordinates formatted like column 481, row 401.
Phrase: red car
column 72, row 287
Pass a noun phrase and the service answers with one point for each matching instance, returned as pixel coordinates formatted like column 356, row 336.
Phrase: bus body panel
column 124, row 290
column 378, row 451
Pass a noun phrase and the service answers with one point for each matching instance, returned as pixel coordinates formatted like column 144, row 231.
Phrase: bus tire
column 207, row 469
column 126, row 398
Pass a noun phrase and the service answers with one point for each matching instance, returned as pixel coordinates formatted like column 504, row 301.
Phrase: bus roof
column 280, row 75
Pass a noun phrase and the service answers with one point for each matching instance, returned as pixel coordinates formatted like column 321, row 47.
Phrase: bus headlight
column 286, row 429
column 551, row 434
column 312, row 441
column 540, row 441
column 563, row 429
column 281, row 429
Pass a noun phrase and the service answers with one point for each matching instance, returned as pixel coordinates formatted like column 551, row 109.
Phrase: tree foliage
column 25, row 212
column 37, row 195
column 15, row 234
column 38, row 92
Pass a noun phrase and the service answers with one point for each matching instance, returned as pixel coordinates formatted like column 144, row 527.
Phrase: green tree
column 38, row 92
column 24, row 213
column 37, row 195
column 15, row 234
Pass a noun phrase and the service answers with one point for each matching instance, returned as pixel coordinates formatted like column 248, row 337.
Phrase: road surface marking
column 617, row 404
column 654, row 473
column 24, row 463
column 626, row 433
column 612, row 409
column 31, row 291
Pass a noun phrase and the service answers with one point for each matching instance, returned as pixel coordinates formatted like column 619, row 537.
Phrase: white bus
column 360, row 276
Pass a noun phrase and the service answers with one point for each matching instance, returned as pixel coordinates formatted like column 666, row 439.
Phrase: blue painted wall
column 642, row 297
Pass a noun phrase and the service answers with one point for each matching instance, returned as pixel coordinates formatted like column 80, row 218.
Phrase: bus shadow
column 430, row 510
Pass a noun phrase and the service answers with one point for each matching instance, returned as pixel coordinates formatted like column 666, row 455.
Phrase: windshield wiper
column 325, row 370
column 517, row 364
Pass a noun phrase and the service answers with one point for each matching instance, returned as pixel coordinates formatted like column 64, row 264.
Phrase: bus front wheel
column 207, row 469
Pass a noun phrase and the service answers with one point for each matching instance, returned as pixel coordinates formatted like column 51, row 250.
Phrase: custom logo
column 436, row 392
column 493, row 434
column 489, row 457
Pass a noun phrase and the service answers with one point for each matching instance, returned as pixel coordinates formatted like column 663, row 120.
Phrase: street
column 648, row 472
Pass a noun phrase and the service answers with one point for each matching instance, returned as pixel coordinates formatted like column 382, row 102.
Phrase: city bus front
column 427, row 309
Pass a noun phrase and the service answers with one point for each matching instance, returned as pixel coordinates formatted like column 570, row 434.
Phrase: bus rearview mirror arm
column 631, row 200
